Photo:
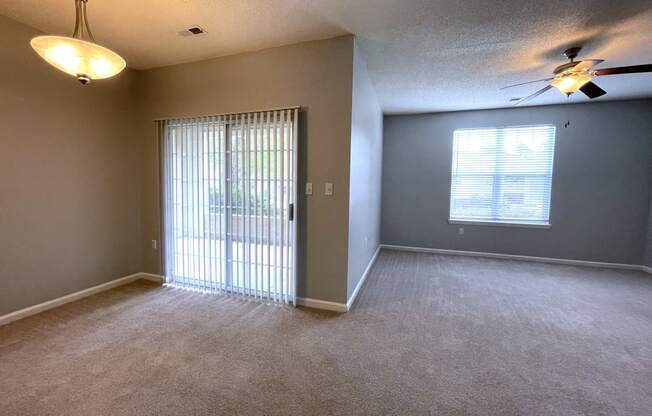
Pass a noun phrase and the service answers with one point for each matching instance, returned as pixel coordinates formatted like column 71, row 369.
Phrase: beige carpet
column 430, row 334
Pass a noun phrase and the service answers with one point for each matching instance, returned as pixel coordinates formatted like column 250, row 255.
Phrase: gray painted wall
column 366, row 172
column 647, row 249
column 315, row 75
column 600, row 189
column 69, row 177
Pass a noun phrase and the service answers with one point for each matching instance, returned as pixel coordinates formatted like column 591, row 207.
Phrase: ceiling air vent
column 196, row 30
column 191, row 31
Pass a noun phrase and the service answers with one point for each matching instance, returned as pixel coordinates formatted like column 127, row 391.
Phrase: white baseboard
column 50, row 304
column 336, row 306
column 157, row 278
column 322, row 304
column 309, row 302
column 354, row 295
column 521, row 258
column 646, row 269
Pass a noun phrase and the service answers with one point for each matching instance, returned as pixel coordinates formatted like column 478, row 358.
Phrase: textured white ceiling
column 423, row 55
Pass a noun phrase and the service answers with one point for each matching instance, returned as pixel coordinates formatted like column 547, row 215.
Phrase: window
column 502, row 175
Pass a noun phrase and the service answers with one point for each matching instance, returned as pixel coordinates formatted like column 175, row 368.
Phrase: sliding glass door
column 229, row 198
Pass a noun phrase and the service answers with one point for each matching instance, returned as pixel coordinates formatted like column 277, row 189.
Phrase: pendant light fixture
column 79, row 55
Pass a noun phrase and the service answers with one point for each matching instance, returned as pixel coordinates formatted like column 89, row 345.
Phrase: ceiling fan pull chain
column 567, row 123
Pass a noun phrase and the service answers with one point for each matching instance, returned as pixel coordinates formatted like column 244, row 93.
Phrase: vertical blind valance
column 502, row 174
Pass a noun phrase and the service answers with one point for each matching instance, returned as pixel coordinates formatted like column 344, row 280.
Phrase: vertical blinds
column 229, row 194
column 502, row 174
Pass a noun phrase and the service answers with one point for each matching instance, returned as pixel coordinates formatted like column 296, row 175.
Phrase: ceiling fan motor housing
column 571, row 53
column 563, row 67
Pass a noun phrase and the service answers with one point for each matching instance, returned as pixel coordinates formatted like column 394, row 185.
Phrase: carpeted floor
column 429, row 334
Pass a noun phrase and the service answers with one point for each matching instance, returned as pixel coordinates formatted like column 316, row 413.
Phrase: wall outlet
column 154, row 244
column 460, row 231
column 328, row 189
column 308, row 188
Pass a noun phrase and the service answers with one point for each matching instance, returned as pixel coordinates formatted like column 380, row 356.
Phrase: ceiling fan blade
column 592, row 91
column 624, row 70
column 536, row 94
column 529, row 82
column 587, row 64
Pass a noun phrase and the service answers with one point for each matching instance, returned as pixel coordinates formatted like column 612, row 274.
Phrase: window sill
column 502, row 223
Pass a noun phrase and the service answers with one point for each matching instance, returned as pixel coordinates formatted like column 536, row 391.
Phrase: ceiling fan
column 578, row 75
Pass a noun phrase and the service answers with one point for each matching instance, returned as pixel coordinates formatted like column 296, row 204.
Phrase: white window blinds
column 502, row 175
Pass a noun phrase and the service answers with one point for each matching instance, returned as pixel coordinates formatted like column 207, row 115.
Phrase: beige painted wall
column 69, row 178
column 315, row 75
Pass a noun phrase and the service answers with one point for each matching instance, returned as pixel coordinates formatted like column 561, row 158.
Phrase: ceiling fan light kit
column 79, row 55
column 571, row 83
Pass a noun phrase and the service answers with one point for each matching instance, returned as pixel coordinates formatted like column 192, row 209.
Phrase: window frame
column 498, row 222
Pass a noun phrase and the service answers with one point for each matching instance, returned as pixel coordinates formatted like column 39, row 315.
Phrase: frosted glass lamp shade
column 79, row 58
column 571, row 82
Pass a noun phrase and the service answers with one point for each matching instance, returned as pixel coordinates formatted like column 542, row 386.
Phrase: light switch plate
column 308, row 188
column 328, row 189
